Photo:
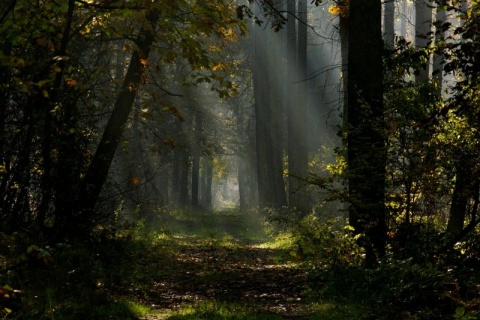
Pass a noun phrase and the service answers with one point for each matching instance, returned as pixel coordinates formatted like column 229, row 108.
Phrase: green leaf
column 459, row 312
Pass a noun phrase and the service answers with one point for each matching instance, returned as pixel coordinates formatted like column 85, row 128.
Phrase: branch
column 107, row 7
column 465, row 232
column 279, row 14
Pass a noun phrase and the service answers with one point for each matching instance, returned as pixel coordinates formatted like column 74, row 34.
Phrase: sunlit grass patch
column 335, row 311
column 221, row 310
column 283, row 240
column 119, row 310
column 246, row 227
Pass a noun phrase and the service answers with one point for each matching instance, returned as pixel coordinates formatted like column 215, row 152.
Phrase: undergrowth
column 111, row 275
column 423, row 282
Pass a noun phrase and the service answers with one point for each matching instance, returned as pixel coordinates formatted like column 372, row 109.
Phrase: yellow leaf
column 219, row 66
column 334, row 9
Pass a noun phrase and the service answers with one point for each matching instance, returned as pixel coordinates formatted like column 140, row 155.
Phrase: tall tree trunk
column 404, row 19
column 4, row 98
column 262, row 126
column 97, row 173
column 344, row 36
column 276, row 111
column 242, row 156
column 460, row 198
column 184, row 173
column 242, row 184
column 296, row 106
column 389, row 23
column 437, row 72
column 366, row 142
column 251, row 163
column 207, row 192
column 293, row 76
column 423, row 28
column 196, row 153
column 175, row 191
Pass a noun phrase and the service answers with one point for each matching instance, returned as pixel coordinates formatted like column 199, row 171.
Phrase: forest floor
column 224, row 266
column 245, row 273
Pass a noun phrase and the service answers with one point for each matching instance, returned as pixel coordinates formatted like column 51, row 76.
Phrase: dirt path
column 241, row 274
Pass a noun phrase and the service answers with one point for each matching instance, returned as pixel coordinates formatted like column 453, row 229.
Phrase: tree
column 440, row 25
column 269, row 118
column 389, row 23
column 423, row 29
column 58, row 80
column 297, row 139
column 365, row 119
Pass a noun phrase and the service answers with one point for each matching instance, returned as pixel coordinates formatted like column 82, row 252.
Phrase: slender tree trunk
column 16, row 187
column 260, row 77
column 242, row 184
column 207, row 193
column 297, row 106
column 437, row 72
column 366, row 142
column 97, row 173
column 460, row 198
column 251, row 164
column 242, row 156
column 423, row 27
column 344, row 35
column 184, row 173
column 197, row 149
column 275, row 106
column 4, row 157
column 389, row 23
column 292, row 100
column 404, row 19
column 175, row 192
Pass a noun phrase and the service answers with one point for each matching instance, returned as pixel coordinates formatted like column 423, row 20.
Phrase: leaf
column 135, row 181
column 32, row 248
column 71, row 82
column 175, row 112
column 460, row 312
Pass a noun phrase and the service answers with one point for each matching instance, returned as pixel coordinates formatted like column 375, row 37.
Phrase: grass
column 213, row 310
column 120, row 310
column 336, row 311
column 114, row 278
column 246, row 227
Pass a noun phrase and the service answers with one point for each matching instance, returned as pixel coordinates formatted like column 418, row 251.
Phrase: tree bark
column 423, row 28
column 461, row 195
column 388, row 24
column 197, row 149
column 366, row 142
column 275, row 106
column 437, row 70
column 97, row 173
column 297, row 105
column 262, row 126
column 207, row 192
column 404, row 19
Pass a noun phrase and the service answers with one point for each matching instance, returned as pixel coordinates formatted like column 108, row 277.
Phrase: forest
column 239, row 159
